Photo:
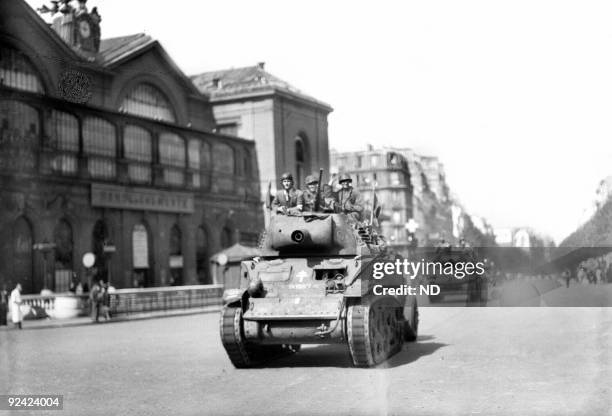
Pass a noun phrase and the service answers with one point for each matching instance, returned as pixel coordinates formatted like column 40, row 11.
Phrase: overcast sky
column 514, row 97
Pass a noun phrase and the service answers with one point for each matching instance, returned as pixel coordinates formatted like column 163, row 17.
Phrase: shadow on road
column 337, row 355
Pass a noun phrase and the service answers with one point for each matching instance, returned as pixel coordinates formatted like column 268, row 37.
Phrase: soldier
column 349, row 199
column 310, row 194
column 288, row 200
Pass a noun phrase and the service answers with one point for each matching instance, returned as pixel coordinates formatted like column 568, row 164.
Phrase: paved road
column 518, row 361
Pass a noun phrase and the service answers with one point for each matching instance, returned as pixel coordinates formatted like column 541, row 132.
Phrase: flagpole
column 373, row 204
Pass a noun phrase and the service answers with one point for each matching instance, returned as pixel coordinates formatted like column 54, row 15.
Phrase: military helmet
column 288, row 176
column 310, row 179
column 345, row 177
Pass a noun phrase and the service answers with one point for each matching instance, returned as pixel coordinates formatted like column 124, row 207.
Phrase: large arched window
column 99, row 237
column 17, row 71
column 172, row 155
column 22, row 256
column 176, row 256
column 202, row 256
column 223, row 158
column 138, row 150
column 64, row 141
column 19, row 134
column 100, row 146
column 194, row 154
column 62, row 237
column 300, row 161
column 148, row 101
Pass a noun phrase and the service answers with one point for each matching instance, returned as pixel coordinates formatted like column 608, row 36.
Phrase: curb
column 84, row 321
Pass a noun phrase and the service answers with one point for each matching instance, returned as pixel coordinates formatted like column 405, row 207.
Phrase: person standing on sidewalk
column 16, row 306
column 94, row 299
column 3, row 305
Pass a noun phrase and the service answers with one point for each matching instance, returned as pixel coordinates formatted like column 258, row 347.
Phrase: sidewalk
column 86, row 320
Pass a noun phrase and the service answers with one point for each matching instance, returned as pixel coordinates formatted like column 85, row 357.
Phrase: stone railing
column 127, row 301
column 124, row 301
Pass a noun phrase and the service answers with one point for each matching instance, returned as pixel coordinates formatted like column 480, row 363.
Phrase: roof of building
column 250, row 80
column 113, row 50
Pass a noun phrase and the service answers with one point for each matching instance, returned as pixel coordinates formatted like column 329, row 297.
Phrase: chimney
column 261, row 65
column 217, row 83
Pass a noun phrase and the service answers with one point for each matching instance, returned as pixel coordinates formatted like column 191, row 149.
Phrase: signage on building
column 140, row 247
column 142, row 199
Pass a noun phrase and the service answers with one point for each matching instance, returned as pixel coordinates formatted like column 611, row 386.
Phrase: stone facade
column 288, row 127
column 410, row 188
column 112, row 151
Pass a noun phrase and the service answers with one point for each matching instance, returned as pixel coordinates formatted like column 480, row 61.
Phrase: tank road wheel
column 411, row 324
column 232, row 337
column 374, row 333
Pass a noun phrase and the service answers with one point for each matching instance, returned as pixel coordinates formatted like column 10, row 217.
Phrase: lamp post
column 45, row 248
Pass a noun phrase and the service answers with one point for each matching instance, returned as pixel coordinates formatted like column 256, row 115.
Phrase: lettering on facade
column 112, row 196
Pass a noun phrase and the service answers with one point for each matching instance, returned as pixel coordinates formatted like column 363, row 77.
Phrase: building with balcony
column 410, row 188
column 288, row 126
column 107, row 147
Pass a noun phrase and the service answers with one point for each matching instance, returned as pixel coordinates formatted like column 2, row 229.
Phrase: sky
column 514, row 97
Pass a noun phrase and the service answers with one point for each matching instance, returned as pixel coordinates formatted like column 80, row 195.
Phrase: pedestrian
column 94, row 300
column 105, row 302
column 3, row 305
column 16, row 306
column 567, row 275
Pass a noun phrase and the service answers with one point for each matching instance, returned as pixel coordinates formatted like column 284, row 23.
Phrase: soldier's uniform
column 349, row 200
column 288, row 200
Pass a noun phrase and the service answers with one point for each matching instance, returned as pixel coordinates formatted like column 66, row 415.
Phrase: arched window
column 22, row 256
column 226, row 237
column 224, row 166
column 202, row 256
column 99, row 237
column 300, row 161
column 62, row 237
column 194, row 153
column 100, row 146
column 148, row 101
column 138, row 150
column 64, row 140
column 223, row 158
column 19, row 135
column 176, row 256
column 172, row 155
column 17, row 71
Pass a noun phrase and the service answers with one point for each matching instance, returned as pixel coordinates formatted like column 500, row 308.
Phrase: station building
column 106, row 146
column 288, row 126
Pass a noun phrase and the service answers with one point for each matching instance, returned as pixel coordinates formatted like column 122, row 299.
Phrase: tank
column 313, row 284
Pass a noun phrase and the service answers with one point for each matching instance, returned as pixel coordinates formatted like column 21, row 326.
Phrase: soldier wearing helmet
column 288, row 200
column 348, row 198
column 326, row 202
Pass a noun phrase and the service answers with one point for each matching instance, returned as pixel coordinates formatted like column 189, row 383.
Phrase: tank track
column 232, row 337
column 241, row 353
column 375, row 333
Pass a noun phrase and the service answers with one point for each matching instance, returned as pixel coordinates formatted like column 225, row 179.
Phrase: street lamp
column 45, row 248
